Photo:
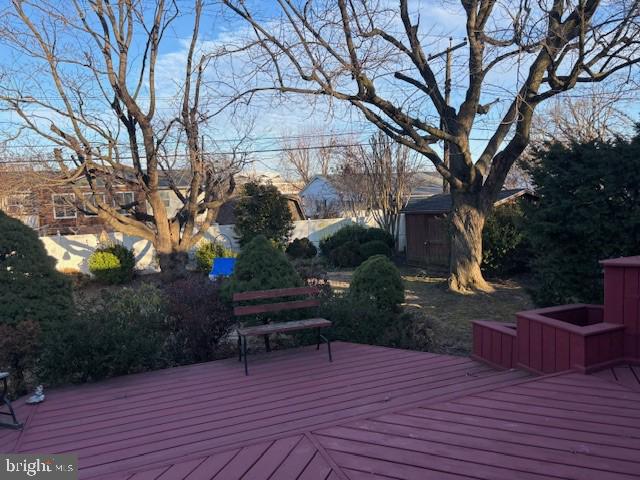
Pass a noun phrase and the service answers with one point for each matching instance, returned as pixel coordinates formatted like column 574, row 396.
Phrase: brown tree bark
column 467, row 219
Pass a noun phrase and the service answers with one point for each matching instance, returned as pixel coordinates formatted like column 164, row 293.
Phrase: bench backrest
column 277, row 306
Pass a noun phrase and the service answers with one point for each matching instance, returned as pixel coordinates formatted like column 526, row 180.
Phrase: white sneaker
column 37, row 397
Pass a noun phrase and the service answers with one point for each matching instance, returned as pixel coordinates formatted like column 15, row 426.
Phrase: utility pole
column 447, row 99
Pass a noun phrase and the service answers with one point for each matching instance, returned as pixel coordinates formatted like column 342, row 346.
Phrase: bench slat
column 284, row 327
column 274, row 293
column 275, row 307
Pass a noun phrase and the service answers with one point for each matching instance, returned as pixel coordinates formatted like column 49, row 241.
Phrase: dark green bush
column 113, row 264
column 30, row 286
column 19, row 351
column 33, row 295
column 199, row 320
column 378, row 281
column 375, row 247
column 261, row 266
column 378, row 235
column 263, row 210
column 122, row 332
column 350, row 233
column 344, row 247
column 588, row 210
column 504, row 247
column 207, row 251
column 301, row 248
column 346, row 255
column 357, row 319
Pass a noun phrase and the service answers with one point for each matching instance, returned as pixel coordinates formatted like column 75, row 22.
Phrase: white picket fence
column 72, row 251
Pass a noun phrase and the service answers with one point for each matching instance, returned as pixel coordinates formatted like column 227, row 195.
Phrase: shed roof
column 442, row 203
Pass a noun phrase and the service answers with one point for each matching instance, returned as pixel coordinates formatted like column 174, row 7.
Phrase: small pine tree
column 30, row 286
column 263, row 210
column 261, row 266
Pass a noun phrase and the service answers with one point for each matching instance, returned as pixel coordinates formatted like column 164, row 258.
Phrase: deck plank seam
column 324, row 454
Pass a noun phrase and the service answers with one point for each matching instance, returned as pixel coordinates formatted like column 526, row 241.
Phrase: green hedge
column 352, row 244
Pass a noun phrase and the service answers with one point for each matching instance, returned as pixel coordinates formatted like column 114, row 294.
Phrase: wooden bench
column 310, row 301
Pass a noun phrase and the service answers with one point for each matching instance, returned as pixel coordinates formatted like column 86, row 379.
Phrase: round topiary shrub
column 378, row 235
column 207, row 251
column 301, row 248
column 378, row 280
column 375, row 247
column 347, row 255
column 261, row 266
column 114, row 264
column 348, row 233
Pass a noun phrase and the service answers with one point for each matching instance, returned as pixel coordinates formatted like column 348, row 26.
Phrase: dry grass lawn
column 450, row 314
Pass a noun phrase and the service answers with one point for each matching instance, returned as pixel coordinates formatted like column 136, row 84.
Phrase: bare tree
column 86, row 82
column 375, row 57
column 386, row 176
column 308, row 155
column 596, row 114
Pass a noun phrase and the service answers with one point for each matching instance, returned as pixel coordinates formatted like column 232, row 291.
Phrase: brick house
column 52, row 209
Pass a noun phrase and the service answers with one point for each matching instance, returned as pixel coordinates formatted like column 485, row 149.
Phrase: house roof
column 442, row 203
column 373, row 413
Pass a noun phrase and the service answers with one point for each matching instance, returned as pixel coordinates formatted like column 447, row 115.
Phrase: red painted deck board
column 374, row 413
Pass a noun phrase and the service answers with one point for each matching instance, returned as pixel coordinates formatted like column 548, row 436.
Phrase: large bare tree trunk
column 467, row 219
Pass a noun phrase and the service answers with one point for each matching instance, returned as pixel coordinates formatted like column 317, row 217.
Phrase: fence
column 72, row 251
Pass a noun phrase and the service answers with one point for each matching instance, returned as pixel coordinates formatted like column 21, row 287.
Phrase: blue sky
column 291, row 116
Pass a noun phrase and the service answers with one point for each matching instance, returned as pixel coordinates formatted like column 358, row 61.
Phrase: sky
column 272, row 121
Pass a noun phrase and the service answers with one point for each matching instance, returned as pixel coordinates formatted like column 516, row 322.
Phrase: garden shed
column 427, row 228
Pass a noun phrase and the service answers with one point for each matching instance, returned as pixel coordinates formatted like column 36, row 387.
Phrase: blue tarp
column 222, row 267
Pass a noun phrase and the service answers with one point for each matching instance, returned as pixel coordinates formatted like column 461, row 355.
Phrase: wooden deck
column 374, row 413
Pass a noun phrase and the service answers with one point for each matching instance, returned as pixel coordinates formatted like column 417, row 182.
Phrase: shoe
column 37, row 397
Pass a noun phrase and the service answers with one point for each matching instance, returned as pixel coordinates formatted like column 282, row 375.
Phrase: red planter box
column 568, row 337
column 495, row 343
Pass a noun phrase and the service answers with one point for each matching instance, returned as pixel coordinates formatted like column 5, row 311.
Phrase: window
column 92, row 199
column 64, row 206
column 165, row 195
column 124, row 199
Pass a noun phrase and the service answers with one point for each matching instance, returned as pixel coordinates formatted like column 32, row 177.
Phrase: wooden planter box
column 495, row 343
column 568, row 337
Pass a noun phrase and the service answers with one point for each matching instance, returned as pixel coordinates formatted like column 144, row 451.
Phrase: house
column 321, row 198
column 337, row 196
column 427, row 227
column 51, row 208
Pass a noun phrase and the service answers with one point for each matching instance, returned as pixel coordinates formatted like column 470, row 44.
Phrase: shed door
column 427, row 240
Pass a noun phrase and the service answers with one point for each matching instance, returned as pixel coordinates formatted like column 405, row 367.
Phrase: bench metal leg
column 15, row 424
column 244, row 353
column 239, row 348
column 328, row 342
column 319, row 338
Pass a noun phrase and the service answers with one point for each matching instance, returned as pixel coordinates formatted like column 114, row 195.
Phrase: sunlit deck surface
column 374, row 413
